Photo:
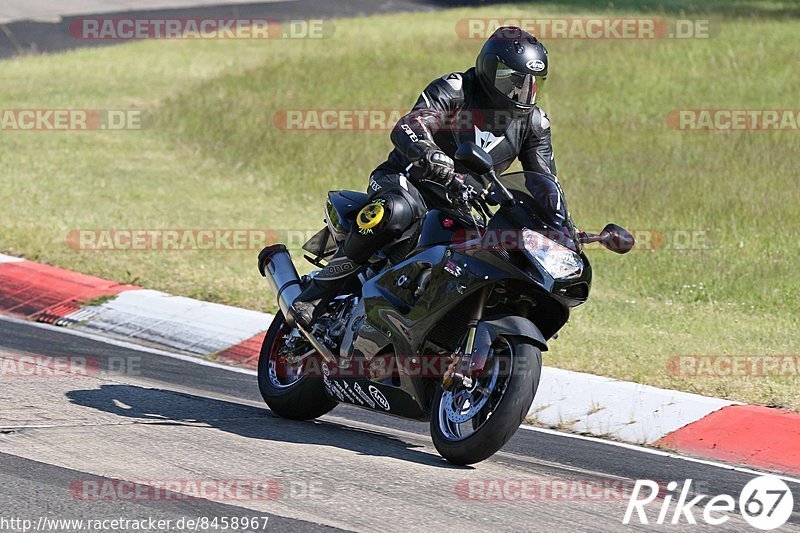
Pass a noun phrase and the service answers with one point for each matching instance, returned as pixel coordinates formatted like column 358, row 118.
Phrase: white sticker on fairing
column 351, row 393
column 363, row 395
column 378, row 396
column 454, row 80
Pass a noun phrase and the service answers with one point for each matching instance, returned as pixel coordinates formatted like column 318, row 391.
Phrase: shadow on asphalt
column 164, row 407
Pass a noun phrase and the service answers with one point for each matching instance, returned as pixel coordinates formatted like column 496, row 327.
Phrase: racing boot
column 322, row 288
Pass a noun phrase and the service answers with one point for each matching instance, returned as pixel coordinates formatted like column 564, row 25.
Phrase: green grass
column 210, row 157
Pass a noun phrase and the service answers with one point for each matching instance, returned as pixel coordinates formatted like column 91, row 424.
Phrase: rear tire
column 303, row 399
column 505, row 419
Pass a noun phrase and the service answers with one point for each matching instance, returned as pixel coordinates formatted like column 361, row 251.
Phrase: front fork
column 466, row 364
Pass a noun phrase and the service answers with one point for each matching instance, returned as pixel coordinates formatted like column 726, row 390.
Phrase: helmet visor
column 521, row 87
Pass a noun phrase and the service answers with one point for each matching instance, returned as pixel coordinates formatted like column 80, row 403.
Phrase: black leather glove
column 438, row 166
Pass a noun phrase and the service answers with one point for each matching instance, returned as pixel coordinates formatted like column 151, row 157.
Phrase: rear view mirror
column 617, row 239
column 475, row 158
column 613, row 237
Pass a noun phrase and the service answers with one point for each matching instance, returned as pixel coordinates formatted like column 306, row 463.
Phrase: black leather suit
column 452, row 110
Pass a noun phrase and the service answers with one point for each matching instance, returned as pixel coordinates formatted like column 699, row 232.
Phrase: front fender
column 489, row 329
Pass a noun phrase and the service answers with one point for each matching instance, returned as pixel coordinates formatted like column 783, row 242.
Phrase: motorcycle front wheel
column 469, row 425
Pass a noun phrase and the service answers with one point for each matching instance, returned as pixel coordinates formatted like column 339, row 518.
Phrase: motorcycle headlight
column 559, row 261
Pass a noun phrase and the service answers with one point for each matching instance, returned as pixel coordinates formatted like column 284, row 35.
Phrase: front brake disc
column 456, row 401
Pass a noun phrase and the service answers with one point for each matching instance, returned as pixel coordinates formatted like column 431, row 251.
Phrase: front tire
column 299, row 395
column 517, row 365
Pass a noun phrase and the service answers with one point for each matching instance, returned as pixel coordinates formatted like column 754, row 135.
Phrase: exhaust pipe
column 275, row 264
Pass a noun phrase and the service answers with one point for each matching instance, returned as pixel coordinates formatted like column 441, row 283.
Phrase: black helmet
column 512, row 67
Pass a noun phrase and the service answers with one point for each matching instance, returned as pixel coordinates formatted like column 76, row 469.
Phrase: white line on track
column 655, row 451
column 199, row 361
column 196, row 359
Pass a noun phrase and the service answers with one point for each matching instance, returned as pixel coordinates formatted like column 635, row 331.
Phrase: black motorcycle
column 448, row 326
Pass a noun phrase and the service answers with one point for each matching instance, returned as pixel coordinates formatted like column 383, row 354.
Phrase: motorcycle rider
column 492, row 104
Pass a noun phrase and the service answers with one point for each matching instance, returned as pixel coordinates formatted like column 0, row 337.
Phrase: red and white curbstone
column 570, row 401
column 175, row 322
column 47, row 294
column 601, row 406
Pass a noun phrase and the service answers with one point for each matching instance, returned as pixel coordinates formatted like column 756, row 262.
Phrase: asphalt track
column 144, row 416
column 42, row 26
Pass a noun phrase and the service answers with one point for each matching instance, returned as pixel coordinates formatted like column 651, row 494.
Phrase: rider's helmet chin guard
column 512, row 68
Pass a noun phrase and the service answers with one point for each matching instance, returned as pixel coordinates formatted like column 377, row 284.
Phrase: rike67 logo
column 765, row 503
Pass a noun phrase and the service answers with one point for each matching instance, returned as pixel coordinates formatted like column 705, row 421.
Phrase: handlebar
column 507, row 199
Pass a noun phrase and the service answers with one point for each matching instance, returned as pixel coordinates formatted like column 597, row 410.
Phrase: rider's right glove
column 438, row 166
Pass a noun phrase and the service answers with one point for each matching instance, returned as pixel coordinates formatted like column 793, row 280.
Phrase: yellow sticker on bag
column 370, row 216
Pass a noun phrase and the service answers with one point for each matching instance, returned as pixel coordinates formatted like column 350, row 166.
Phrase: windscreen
column 540, row 193
column 542, row 199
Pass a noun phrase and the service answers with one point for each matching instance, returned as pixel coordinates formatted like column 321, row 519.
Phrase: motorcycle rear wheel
column 290, row 392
